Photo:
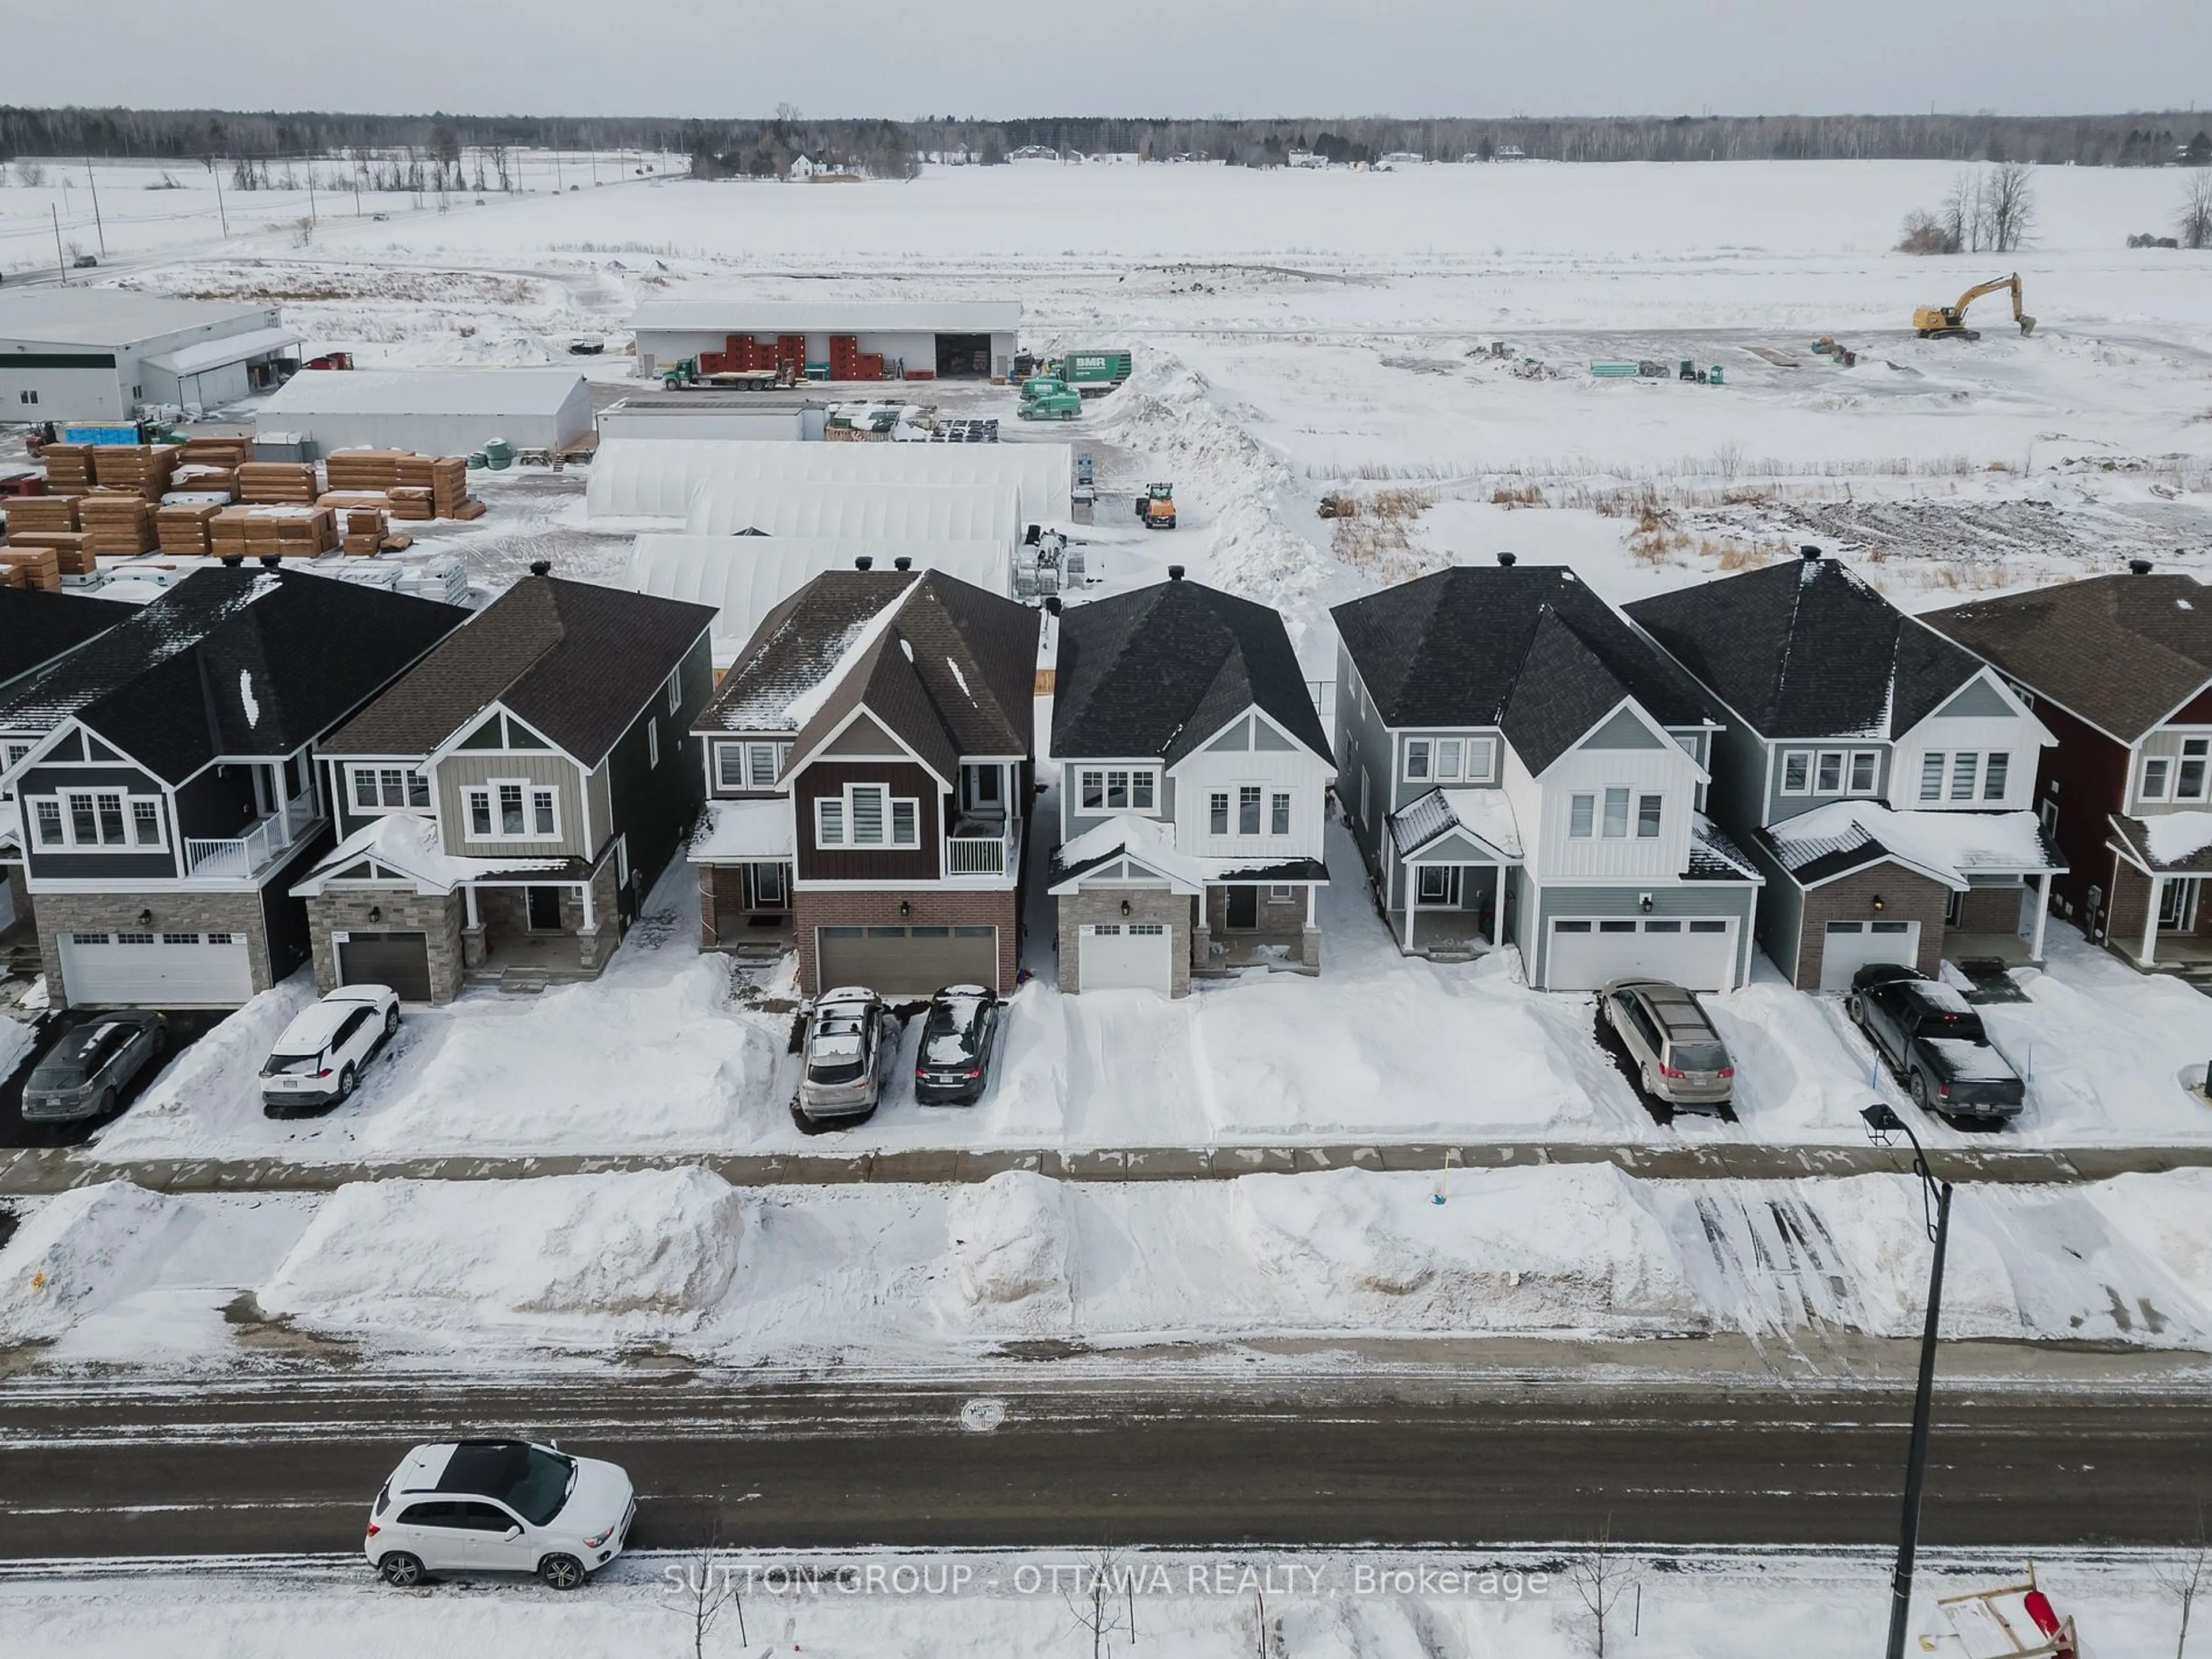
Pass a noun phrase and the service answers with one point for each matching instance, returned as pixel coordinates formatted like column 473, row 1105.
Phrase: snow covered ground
column 1708, row 1604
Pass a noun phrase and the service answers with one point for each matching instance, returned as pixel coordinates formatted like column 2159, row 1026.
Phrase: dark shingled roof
column 36, row 627
column 573, row 660
column 951, row 671
column 2121, row 651
column 1159, row 670
column 1807, row 649
column 1527, row 648
column 233, row 662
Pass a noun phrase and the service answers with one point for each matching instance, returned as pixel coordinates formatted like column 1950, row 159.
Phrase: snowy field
column 1182, row 1605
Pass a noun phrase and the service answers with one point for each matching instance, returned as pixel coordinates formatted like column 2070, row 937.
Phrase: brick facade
column 1905, row 898
column 1283, row 920
column 929, row 907
column 437, row 917
column 1104, row 904
column 1991, row 909
column 2129, row 908
column 504, row 912
column 177, row 910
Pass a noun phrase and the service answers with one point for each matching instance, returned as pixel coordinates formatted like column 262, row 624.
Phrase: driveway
column 186, row 1027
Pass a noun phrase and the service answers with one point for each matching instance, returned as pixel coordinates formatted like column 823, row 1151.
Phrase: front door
column 2176, row 907
column 545, row 909
column 1243, row 909
column 768, row 887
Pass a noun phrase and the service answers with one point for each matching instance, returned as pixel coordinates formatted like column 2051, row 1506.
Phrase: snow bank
column 221, row 1070
column 1010, row 1248
column 17, row 1038
column 1564, row 1246
column 75, row 1252
column 625, row 1256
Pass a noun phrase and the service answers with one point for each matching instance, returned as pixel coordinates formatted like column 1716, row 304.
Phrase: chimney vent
column 2141, row 566
column 1810, row 555
column 271, row 561
column 1175, row 573
column 1506, row 561
column 541, row 567
column 904, row 561
column 234, row 560
column 865, row 562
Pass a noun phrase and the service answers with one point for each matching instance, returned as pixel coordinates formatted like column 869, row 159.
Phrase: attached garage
column 1126, row 956
column 1696, row 952
column 157, row 970
column 906, row 962
column 401, row 961
column 1851, row 946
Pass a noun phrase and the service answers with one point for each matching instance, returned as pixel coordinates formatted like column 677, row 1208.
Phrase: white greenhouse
column 938, row 513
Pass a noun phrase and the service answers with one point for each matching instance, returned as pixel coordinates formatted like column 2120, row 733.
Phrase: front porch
column 2162, row 922
column 745, row 909
column 1451, row 910
column 1247, row 925
column 525, row 935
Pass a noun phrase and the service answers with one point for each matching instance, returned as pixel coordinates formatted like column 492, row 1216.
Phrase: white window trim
column 1084, row 773
column 2182, row 760
column 1810, row 757
column 2165, row 764
column 1847, row 760
column 1427, row 746
column 844, row 842
column 69, row 843
column 488, row 792
column 1477, row 760
column 356, row 770
column 1627, row 792
column 651, row 742
column 1590, row 796
column 676, row 692
column 726, row 753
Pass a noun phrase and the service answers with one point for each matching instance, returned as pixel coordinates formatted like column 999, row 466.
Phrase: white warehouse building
column 638, row 478
column 437, row 411
column 951, row 340
column 895, row 512
column 103, row 354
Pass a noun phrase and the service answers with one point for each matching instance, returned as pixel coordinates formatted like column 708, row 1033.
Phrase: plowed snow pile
column 76, row 1252
column 1008, row 1243
column 623, row 1256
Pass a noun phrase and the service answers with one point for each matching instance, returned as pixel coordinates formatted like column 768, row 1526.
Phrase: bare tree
column 1600, row 1578
column 2183, row 1579
column 1925, row 233
column 1093, row 1605
column 1962, row 214
column 2196, row 221
column 708, row 1590
column 2008, row 206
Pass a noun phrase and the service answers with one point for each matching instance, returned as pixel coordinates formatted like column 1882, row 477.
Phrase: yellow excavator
column 1949, row 322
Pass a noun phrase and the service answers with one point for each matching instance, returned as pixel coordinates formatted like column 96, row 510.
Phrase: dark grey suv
column 85, row 1074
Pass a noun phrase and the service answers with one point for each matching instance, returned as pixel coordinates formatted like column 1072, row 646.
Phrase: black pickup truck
column 1933, row 1038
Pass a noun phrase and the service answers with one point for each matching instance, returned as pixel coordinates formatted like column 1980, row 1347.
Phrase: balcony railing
column 983, row 855
column 236, row 856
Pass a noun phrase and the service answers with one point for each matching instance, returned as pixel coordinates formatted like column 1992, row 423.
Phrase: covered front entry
column 1851, row 946
column 157, row 970
column 907, row 961
column 1126, row 956
column 1698, row 953
column 401, row 961
column 1453, row 908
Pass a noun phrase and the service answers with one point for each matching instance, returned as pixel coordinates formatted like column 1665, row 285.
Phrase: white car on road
column 498, row 1506
column 320, row 1057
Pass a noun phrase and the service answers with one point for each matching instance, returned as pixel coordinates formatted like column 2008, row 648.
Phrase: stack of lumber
column 69, row 467
column 42, row 512
column 277, row 483
column 70, row 551
column 444, row 478
column 449, row 488
column 32, row 566
column 117, row 527
column 413, row 502
column 364, row 530
column 200, row 476
column 341, row 500
column 364, row 469
column 184, row 529
column 230, row 452
column 293, row 532
column 144, row 470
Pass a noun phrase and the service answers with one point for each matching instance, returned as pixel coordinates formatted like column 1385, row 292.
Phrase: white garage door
column 157, row 970
column 1126, row 956
column 1696, row 952
column 908, row 962
column 1850, row 946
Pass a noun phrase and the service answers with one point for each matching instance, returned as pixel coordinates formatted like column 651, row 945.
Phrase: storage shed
column 637, row 478
column 437, row 412
column 93, row 353
column 943, row 339
column 744, row 577
column 890, row 512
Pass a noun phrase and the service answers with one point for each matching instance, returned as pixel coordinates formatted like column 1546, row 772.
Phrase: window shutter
column 868, row 815
column 829, row 822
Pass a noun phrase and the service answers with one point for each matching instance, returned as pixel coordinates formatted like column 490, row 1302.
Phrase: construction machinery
column 1949, row 322
column 1156, row 507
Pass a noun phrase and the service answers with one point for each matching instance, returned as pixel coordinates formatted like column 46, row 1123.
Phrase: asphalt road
column 292, row 1466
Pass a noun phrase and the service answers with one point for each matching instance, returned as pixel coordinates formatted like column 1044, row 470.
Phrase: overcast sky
column 1001, row 58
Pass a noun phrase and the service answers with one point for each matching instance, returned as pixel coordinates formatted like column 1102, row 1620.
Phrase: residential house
column 1878, row 776
column 1194, row 778
column 869, row 768
column 1519, row 766
column 504, row 809
column 2119, row 670
column 171, row 802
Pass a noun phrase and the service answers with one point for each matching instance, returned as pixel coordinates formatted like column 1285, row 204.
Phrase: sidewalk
column 37, row 1170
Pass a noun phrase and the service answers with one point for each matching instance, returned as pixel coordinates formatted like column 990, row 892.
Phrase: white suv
column 498, row 1506
column 324, row 1051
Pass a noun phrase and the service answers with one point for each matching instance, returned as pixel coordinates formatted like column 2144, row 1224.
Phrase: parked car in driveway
column 1679, row 1056
column 852, row 1043
column 320, row 1059
column 951, row 1066
column 85, row 1074
column 498, row 1506
column 1933, row 1038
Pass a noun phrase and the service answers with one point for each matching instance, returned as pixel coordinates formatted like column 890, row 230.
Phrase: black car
column 1933, row 1038
column 84, row 1074
column 953, row 1062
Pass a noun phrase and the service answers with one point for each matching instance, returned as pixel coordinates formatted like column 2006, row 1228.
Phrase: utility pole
column 556, row 172
column 61, row 260
column 311, row 187
column 219, row 213
column 97, row 224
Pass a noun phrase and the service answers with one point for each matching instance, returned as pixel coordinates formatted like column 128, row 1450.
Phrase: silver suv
column 852, row 1043
column 1679, row 1056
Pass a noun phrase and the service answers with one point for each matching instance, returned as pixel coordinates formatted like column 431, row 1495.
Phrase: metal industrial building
column 93, row 353
column 952, row 340
column 725, row 416
column 437, row 412
column 635, row 478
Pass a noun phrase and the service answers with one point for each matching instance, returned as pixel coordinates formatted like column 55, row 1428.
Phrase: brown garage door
column 908, row 962
column 399, row 960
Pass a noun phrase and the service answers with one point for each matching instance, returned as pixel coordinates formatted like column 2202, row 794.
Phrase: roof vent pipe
column 1810, row 555
column 234, row 560
column 2141, row 566
column 271, row 561
column 1506, row 561
column 1052, row 604
column 904, row 561
column 1175, row 573
column 541, row 567
column 865, row 562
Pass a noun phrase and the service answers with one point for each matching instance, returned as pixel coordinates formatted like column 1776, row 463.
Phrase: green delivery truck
column 1095, row 373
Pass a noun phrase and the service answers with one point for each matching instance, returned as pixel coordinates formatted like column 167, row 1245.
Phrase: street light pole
column 1935, row 1200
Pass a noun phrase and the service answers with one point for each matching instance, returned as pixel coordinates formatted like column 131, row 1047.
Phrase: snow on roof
column 224, row 350
column 113, row 316
column 2176, row 837
column 487, row 392
column 734, row 830
column 1150, row 839
column 1485, row 814
column 11, row 826
column 655, row 478
column 407, row 844
column 840, row 657
column 737, row 312
column 1953, row 844
column 829, row 508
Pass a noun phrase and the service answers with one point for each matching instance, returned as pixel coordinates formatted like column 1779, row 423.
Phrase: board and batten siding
column 1662, row 769
column 1294, row 770
column 1735, row 900
column 469, row 767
